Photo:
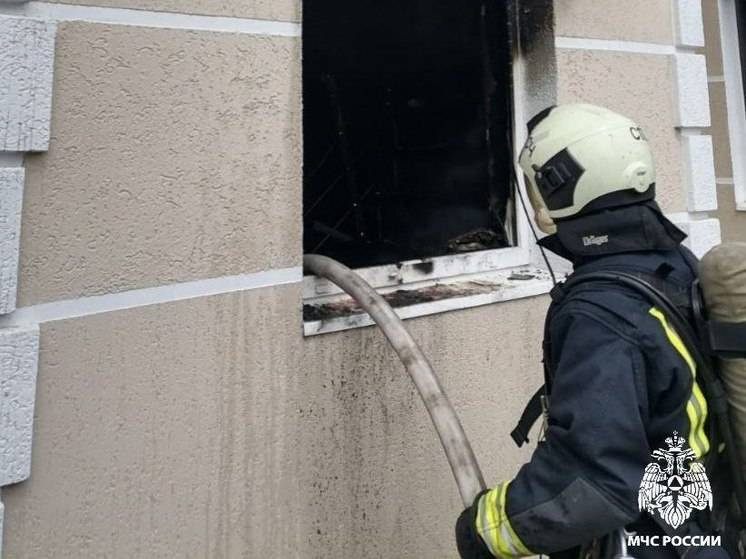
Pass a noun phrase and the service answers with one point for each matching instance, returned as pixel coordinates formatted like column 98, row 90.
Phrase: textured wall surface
column 11, row 201
column 703, row 234
column 620, row 81
column 282, row 10
column 26, row 57
column 719, row 130
column 699, row 170
column 217, row 431
column 211, row 427
column 632, row 20
column 18, row 359
column 710, row 17
column 691, row 90
column 732, row 222
column 175, row 156
column 689, row 23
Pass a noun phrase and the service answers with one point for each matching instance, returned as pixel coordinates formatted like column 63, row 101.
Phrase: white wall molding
column 2, row 518
column 613, row 45
column 19, row 351
column 692, row 110
column 87, row 306
column 11, row 199
column 26, row 64
column 692, row 93
column 690, row 30
column 703, row 234
column 26, row 72
column 699, row 178
column 151, row 18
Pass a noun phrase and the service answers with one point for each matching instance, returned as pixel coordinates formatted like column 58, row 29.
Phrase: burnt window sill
column 324, row 315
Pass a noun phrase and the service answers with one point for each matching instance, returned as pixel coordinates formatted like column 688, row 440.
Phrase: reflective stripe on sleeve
column 493, row 525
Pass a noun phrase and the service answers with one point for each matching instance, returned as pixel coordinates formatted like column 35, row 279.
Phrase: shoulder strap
column 528, row 418
column 534, row 408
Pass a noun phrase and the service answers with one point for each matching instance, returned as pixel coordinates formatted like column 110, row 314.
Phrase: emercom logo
column 635, row 540
column 675, row 484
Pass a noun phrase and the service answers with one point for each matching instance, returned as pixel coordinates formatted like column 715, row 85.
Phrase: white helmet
column 581, row 158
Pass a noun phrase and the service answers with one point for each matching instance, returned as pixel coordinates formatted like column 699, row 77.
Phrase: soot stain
column 398, row 299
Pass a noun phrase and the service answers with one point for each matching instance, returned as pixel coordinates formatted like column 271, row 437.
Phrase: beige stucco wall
column 732, row 221
column 638, row 85
column 719, row 130
column 211, row 427
column 616, row 20
column 175, row 155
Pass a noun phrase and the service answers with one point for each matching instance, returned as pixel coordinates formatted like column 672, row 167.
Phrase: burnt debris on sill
column 313, row 312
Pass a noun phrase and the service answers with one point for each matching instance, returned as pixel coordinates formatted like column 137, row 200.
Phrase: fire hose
column 452, row 436
column 457, row 448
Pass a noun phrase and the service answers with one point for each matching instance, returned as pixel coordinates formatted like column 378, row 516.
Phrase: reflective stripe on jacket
column 622, row 382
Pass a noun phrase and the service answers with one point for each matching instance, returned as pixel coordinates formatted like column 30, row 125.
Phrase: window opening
column 407, row 129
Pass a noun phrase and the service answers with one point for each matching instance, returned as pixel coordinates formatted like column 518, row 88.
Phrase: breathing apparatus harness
column 707, row 340
column 580, row 159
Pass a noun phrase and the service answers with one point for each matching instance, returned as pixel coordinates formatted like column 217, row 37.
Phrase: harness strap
column 528, row 418
column 533, row 410
column 726, row 339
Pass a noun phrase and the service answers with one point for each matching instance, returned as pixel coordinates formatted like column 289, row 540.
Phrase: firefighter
column 618, row 379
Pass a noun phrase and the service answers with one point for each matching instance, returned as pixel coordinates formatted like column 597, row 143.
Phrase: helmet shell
column 577, row 154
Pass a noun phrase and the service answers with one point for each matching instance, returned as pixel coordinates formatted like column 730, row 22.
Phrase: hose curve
column 455, row 444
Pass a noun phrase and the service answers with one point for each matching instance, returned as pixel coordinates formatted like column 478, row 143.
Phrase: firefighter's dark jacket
column 620, row 385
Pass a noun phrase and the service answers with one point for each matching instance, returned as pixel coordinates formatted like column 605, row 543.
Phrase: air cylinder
column 722, row 274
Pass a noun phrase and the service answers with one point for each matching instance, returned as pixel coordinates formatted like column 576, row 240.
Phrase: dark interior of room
column 407, row 127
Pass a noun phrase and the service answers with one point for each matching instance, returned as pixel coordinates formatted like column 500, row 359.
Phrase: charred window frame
column 436, row 150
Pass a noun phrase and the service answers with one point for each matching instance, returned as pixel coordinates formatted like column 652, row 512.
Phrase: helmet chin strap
column 517, row 188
